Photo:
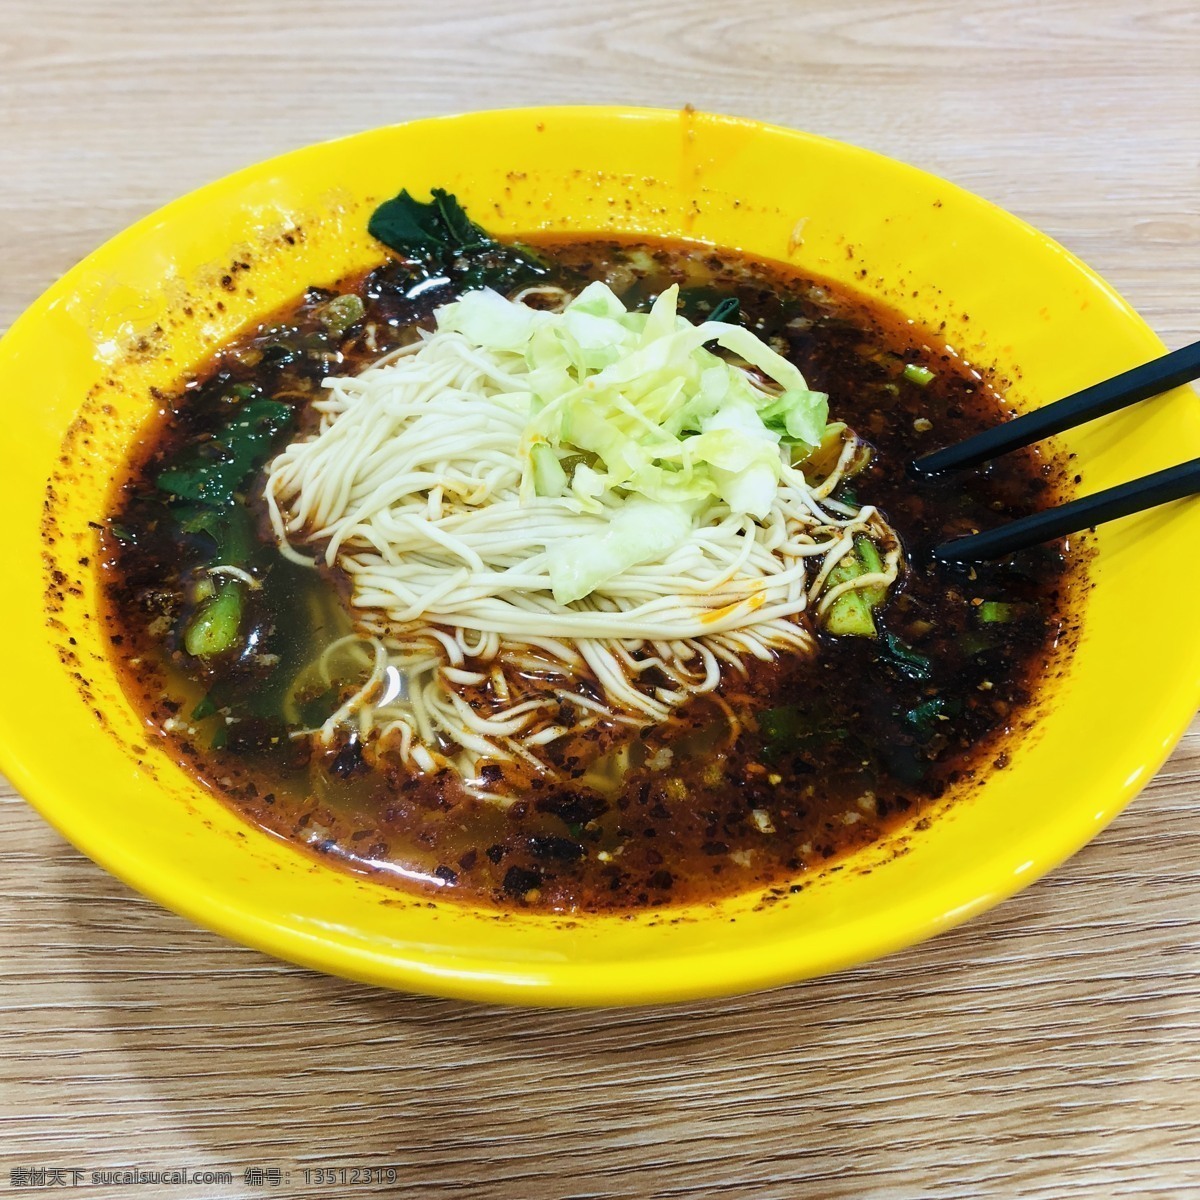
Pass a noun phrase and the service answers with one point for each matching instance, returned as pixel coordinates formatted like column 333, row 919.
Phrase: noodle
column 415, row 486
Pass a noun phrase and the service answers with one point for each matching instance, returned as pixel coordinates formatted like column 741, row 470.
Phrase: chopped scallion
column 214, row 628
column 996, row 612
column 341, row 312
column 921, row 376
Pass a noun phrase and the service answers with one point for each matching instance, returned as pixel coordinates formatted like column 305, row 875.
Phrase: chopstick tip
column 925, row 467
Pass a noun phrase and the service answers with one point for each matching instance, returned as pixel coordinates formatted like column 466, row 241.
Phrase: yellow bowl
column 78, row 368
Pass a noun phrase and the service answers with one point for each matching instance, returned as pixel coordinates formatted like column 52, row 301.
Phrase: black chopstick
column 1159, row 375
column 1121, row 501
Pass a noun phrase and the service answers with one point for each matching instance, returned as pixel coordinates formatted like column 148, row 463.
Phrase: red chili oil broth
column 777, row 776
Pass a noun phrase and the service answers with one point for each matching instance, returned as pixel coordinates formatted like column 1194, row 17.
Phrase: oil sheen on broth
column 755, row 787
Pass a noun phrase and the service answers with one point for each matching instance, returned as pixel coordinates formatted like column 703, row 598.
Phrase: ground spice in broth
column 756, row 787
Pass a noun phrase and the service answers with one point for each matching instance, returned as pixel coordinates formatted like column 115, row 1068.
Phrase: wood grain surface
column 1048, row 1049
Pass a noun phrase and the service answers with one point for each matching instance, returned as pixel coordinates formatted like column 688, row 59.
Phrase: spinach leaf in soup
column 440, row 236
column 213, row 470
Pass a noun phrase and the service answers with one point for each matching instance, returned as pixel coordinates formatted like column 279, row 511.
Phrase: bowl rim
column 574, row 984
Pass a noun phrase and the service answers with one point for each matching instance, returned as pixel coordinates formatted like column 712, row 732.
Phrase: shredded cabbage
column 641, row 531
column 657, row 424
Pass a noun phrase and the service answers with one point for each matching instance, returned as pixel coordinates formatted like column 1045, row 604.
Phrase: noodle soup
column 604, row 587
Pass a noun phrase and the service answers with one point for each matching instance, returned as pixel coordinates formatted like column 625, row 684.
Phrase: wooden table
column 1048, row 1049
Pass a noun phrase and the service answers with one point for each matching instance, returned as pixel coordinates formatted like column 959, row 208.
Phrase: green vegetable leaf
column 441, row 235
column 700, row 304
column 801, row 729
column 728, row 310
column 925, row 718
column 783, row 724
column 316, row 710
column 229, row 528
column 408, row 226
column 463, row 232
column 418, row 230
column 909, row 662
column 212, row 473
